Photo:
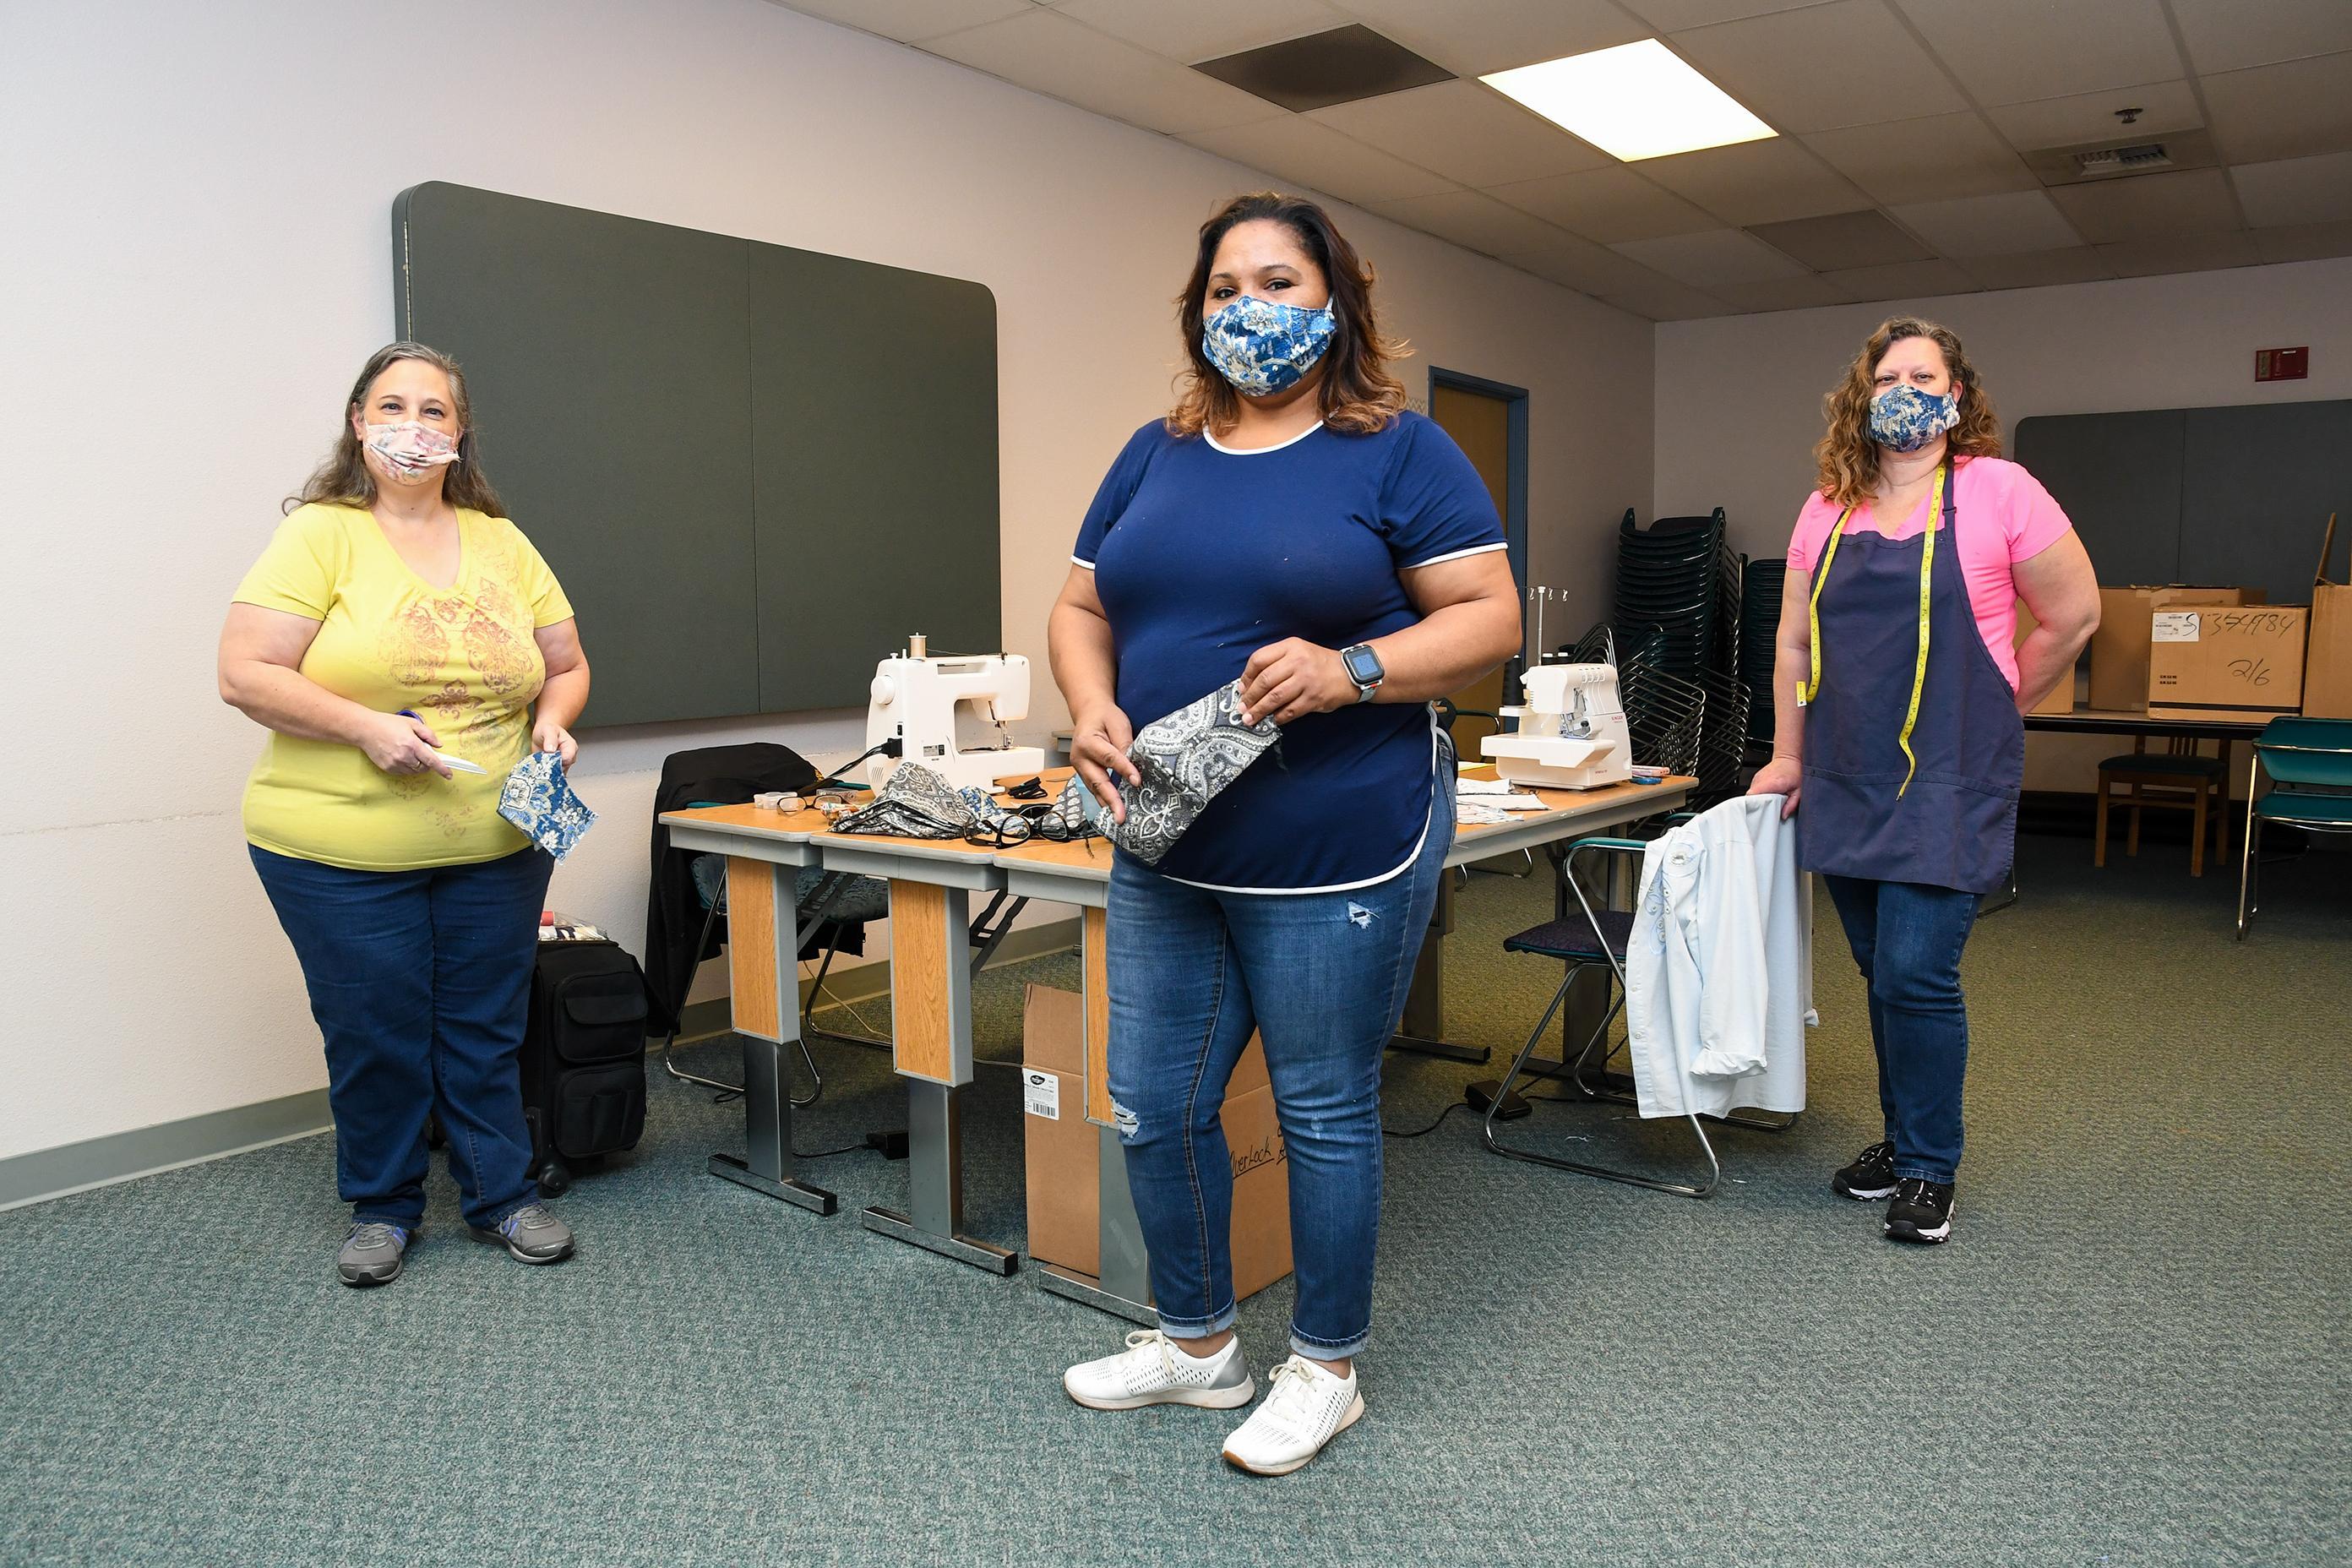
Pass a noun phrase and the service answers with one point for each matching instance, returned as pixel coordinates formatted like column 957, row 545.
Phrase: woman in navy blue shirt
column 1291, row 526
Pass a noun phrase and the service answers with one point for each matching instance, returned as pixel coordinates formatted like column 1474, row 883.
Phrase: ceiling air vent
column 2191, row 149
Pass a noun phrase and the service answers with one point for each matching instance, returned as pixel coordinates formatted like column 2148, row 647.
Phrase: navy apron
column 1954, row 825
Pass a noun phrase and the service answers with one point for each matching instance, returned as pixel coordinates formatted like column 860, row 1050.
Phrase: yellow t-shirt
column 462, row 656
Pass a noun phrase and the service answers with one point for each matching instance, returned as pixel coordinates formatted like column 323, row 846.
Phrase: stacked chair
column 1759, row 626
column 1679, row 620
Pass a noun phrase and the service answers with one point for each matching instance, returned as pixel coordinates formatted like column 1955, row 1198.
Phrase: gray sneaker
column 531, row 1233
column 372, row 1252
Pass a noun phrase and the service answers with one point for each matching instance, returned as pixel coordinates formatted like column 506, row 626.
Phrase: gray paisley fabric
column 1185, row 758
column 915, row 803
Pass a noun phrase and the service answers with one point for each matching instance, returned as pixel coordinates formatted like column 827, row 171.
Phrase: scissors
column 458, row 764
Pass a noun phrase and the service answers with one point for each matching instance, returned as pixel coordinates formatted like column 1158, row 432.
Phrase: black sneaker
column 1870, row 1177
column 1921, row 1212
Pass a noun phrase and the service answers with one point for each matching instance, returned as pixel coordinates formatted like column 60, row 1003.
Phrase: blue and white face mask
column 1263, row 348
column 1903, row 419
column 538, row 799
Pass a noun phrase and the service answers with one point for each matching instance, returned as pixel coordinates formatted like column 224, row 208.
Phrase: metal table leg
column 930, row 1019
column 763, row 963
column 1124, row 1285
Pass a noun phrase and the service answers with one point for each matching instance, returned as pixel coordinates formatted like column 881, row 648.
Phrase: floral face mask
column 412, row 449
column 1263, row 347
column 538, row 799
column 1903, row 419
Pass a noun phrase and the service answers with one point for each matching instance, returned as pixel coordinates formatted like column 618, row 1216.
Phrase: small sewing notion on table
column 1571, row 732
column 914, row 699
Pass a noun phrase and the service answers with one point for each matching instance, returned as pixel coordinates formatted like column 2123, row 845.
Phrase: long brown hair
column 1848, row 457
column 1358, row 393
column 343, row 480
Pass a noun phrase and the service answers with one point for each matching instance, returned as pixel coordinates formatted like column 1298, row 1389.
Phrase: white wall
column 198, row 258
column 1739, row 397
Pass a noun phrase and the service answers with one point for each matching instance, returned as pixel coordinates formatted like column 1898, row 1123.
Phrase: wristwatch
column 1363, row 668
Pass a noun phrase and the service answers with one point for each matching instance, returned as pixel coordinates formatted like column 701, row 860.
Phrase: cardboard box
column 2245, row 662
column 2062, row 696
column 2327, row 673
column 1065, row 1151
column 2119, row 648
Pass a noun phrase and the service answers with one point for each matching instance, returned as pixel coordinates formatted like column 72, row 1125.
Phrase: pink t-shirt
column 2006, row 516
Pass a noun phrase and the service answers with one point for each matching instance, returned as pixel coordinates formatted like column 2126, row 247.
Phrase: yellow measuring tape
column 1926, row 583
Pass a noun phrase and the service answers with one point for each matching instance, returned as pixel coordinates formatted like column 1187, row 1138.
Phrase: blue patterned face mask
column 1903, row 419
column 538, row 799
column 1263, row 348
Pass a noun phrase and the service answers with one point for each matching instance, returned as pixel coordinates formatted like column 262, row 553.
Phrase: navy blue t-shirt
column 1202, row 555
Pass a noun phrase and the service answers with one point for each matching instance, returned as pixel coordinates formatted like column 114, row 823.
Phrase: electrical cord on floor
column 1423, row 1132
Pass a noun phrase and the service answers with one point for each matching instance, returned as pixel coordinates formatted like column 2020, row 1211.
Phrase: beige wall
column 1739, row 397
column 199, row 257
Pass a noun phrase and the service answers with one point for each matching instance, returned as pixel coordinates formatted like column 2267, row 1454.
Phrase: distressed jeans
column 1907, row 938
column 1322, row 978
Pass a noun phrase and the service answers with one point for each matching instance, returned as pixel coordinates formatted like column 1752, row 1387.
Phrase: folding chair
column 2310, row 764
column 1599, row 939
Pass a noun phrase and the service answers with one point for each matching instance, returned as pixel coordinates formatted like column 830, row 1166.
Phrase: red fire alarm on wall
column 2282, row 365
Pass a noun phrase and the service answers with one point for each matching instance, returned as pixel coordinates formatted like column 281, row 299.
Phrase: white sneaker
column 1307, row 1407
column 1154, row 1371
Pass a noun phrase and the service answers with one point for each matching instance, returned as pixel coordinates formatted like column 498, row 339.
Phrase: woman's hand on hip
column 1294, row 678
column 1099, row 742
column 546, row 735
column 400, row 745
column 1782, row 775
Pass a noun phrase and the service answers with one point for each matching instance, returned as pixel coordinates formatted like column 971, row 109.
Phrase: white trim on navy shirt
column 1449, row 555
column 1258, row 451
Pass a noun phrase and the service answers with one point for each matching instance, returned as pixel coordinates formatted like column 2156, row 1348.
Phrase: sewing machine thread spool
column 918, row 646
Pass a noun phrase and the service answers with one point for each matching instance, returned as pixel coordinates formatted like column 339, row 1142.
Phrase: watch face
column 1363, row 666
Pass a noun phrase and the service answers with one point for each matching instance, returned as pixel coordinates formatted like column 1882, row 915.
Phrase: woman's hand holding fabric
column 546, row 735
column 1291, row 678
column 1099, row 742
column 1782, row 775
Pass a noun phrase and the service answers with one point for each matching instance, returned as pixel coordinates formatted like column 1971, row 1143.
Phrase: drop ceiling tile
column 2008, row 223
column 2149, row 207
column 1202, row 29
column 2008, row 51
column 1779, row 294
column 2188, row 253
column 2295, row 190
column 1475, row 37
column 1298, row 151
column 2091, row 117
column 1465, row 131
column 2304, row 242
column 2230, row 35
column 2283, row 111
column 1596, row 270
column 1841, row 239
column 1717, row 256
column 1784, row 66
column 910, row 20
column 1605, row 204
column 1048, row 53
column 1479, row 222
column 1756, row 182
column 1939, row 158
column 1903, row 281
column 1663, row 300
column 2041, row 268
column 1675, row 15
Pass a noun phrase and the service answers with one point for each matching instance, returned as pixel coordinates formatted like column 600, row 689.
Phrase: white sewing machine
column 914, row 697
column 1571, row 732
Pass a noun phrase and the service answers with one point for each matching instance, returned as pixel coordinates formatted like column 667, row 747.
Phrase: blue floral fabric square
column 538, row 799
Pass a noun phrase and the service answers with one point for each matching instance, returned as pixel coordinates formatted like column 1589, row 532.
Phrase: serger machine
column 914, row 699
column 1571, row 732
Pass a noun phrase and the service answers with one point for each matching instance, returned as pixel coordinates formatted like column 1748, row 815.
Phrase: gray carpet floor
column 2134, row 1350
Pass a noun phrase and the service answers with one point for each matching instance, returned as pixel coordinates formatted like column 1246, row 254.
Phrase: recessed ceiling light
column 1634, row 101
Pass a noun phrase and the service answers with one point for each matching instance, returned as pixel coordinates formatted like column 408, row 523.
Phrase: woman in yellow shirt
column 397, row 621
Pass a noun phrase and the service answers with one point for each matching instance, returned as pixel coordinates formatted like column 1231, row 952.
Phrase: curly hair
column 343, row 480
column 1848, row 457
column 1358, row 393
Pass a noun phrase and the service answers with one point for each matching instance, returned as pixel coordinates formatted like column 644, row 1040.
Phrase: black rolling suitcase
column 584, row 1057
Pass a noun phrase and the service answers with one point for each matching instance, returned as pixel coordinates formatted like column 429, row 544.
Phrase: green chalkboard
column 754, row 468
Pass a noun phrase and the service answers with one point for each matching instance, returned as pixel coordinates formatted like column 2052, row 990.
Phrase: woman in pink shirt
column 1899, row 701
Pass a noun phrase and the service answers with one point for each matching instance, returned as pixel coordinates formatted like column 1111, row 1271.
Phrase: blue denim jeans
column 420, row 982
column 1322, row 978
column 1908, row 937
